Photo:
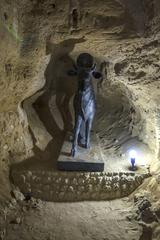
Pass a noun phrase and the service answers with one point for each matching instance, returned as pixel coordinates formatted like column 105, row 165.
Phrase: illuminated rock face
column 40, row 39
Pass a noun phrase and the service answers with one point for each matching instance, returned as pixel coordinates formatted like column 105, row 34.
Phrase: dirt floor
column 136, row 218
column 69, row 221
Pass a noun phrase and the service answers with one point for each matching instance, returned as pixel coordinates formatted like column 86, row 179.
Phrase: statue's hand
column 97, row 75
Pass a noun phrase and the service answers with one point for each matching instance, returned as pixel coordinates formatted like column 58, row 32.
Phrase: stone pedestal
column 85, row 160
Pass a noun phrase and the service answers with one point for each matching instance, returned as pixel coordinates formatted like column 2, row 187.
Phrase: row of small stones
column 77, row 186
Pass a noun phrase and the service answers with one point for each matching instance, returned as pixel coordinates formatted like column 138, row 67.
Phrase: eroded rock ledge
column 76, row 186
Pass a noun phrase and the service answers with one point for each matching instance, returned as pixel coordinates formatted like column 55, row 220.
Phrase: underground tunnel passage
column 51, row 119
column 41, row 41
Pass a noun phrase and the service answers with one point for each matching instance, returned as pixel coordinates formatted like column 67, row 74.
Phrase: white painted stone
column 66, row 181
column 75, row 182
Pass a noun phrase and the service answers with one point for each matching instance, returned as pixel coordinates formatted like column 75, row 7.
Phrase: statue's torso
column 84, row 101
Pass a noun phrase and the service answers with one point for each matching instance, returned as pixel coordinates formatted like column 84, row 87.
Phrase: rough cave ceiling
column 27, row 25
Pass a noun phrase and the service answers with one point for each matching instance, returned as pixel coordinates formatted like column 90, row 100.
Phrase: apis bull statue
column 84, row 100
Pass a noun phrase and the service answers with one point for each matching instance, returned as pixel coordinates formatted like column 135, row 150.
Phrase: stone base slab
column 89, row 160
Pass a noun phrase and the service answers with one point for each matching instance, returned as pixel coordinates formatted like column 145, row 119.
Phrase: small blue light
column 133, row 155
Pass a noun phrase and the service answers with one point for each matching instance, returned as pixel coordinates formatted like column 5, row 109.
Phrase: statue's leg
column 88, row 129
column 75, row 137
column 81, row 137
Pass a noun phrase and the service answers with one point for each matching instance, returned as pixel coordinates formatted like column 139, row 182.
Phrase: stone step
column 76, row 186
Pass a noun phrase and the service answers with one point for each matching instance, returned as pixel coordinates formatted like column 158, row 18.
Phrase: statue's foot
column 87, row 146
column 81, row 144
column 81, row 141
column 73, row 152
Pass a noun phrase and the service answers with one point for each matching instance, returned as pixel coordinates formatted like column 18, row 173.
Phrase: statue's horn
column 93, row 67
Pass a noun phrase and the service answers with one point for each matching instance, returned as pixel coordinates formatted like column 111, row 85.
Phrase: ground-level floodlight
column 133, row 156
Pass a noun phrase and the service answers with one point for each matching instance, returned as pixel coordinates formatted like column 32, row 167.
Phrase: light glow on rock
column 133, row 153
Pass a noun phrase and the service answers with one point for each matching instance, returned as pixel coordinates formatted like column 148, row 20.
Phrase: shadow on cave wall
column 61, row 88
column 58, row 84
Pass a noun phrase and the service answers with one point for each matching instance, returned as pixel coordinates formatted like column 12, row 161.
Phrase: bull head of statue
column 85, row 63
